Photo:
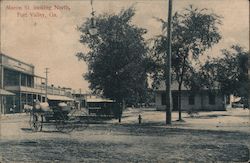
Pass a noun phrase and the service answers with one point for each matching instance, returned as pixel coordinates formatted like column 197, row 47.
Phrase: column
column 20, row 101
column 20, row 94
column 26, row 98
column 1, row 86
column 26, row 80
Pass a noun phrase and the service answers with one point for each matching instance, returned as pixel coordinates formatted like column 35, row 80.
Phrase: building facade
column 22, row 86
column 203, row 100
column 81, row 98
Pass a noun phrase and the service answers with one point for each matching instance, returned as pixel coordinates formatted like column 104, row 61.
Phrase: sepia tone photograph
column 130, row 81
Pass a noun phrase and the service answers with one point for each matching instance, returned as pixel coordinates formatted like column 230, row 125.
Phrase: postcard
column 124, row 81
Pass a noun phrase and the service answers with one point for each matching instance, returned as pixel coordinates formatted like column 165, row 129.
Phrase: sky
column 47, row 36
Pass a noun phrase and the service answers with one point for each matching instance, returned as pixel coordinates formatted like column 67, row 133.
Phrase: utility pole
column 168, row 67
column 81, row 98
column 46, row 84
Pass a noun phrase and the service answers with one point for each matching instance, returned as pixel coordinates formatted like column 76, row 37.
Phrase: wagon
column 100, row 107
column 61, row 115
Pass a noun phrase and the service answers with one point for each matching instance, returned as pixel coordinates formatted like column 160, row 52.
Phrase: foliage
column 229, row 73
column 194, row 31
column 192, row 112
column 194, row 78
column 116, row 58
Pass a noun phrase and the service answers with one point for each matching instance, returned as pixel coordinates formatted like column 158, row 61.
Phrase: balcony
column 39, row 89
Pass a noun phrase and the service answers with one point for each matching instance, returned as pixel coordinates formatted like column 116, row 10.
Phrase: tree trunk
column 225, row 101
column 202, row 100
column 179, row 101
column 179, row 86
column 122, row 108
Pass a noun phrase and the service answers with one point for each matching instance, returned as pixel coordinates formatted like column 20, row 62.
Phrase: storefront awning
column 6, row 93
column 59, row 98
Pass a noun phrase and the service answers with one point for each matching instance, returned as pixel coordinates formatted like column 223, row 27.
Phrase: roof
column 98, row 100
column 6, row 93
column 28, row 64
column 59, row 98
column 174, row 86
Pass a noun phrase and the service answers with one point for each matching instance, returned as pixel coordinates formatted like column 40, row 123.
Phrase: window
column 191, row 99
column 23, row 80
column 211, row 99
column 11, row 78
column 43, row 99
column 30, row 81
column 163, row 99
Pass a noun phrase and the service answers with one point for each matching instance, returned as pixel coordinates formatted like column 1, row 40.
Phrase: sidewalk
column 11, row 116
column 230, row 120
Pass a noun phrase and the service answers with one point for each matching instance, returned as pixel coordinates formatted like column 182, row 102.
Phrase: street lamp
column 92, row 26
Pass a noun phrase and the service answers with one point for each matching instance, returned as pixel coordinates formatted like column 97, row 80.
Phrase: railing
column 52, row 90
column 39, row 89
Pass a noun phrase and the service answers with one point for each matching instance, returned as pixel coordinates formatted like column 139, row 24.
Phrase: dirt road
column 225, row 137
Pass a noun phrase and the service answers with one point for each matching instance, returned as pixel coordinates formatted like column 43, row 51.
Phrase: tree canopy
column 228, row 73
column 194, row 31
column 116, row 57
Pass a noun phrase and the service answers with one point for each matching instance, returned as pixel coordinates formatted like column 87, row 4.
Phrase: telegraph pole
column 81, row 98
column 46, row 84
column 168, row 67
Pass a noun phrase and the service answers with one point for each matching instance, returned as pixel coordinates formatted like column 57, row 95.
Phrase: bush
column 192, row 112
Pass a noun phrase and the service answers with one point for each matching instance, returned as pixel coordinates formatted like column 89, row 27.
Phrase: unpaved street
column 224, row 137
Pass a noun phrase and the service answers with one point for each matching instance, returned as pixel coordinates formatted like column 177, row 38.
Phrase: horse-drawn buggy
column 61, row 114
column 67, row 117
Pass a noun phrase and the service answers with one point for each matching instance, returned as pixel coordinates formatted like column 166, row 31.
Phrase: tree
column 116, row 57
column 229, row 73
column 194, row 79
column 194, row 31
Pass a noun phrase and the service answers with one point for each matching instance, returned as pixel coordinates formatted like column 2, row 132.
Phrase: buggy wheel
column 64, row 124
column 36, row 122
column 81, row 123
column 69, row 125
column 59, row 122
